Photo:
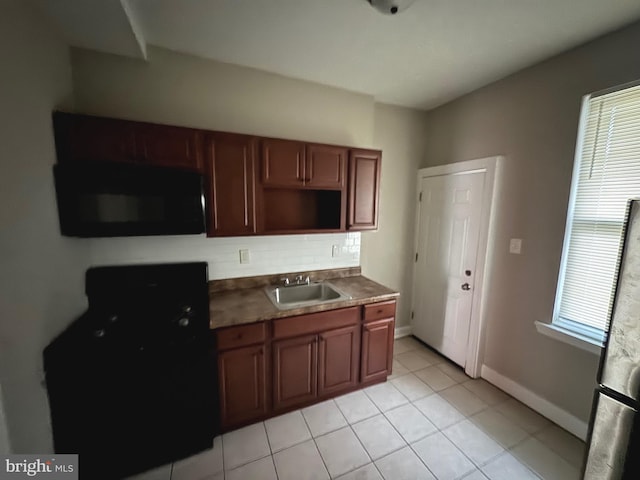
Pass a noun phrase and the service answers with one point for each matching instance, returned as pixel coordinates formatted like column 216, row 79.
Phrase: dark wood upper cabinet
column 242, row 382
column 338, row 360
column 287, row 163
column 230, row 160
column 84, row 138
column 253, row 185
column 294, row 371
column 283, row 163
column 325, row 166
column 169, row 146
column 364, row 186
column 95, row 139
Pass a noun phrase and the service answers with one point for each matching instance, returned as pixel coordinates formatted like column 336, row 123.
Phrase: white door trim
column 492, row 168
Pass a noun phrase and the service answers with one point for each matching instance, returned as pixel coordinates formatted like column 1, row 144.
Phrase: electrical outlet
column 515, row 246
column 244, row 255
column 335, row 251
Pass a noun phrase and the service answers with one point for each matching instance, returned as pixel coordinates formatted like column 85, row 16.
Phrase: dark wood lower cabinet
column 377, row 350
column 338, row 358
column 242, row 382
column 294, row 371
column 268, row 368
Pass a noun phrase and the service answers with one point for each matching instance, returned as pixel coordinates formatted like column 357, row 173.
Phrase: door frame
column 492, row 168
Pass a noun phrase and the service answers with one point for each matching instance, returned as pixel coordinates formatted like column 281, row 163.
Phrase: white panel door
column 448, row 233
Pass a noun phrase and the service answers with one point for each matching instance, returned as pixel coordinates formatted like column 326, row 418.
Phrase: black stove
column 132, row 382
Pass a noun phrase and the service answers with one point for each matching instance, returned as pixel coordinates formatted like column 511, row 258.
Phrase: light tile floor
column 429, row 421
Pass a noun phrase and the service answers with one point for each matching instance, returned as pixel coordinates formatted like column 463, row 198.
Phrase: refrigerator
column 614, row 430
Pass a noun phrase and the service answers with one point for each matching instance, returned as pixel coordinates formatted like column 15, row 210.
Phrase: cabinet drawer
column 315, row 322
column 376, row 311
column 241, row 336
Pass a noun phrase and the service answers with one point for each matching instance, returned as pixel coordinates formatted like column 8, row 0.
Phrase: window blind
column 608, row 176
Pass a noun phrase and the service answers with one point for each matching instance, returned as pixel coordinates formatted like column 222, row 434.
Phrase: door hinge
column 420, row 197
column 412, row 315
column 416, row 257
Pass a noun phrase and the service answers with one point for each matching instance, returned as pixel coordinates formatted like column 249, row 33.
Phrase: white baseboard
column 542, row 406
column 402, row 331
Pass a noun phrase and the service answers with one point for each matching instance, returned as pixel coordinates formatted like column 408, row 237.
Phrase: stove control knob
column 186, row 309
column 183, row 322
column 99, row 333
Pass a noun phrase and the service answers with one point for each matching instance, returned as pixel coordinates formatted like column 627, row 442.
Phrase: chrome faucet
column 299, row 280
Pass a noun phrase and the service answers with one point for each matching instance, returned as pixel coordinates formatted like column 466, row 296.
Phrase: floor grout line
column 478, row 466
column 315, row 443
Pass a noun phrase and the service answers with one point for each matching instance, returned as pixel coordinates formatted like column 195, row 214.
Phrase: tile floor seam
column 463, row 453
column 315, row 443
column 524, row 464
column 275, row 469
column 420, row 458
column 392, row 426
column 478, row 465
column 266, row 434
column 251, row 461
column 419, row 411
column 509, row 397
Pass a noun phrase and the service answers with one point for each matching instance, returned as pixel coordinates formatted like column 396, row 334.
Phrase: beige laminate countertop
column 249, row 305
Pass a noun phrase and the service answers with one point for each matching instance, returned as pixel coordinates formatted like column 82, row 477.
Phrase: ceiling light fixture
column 390, row 7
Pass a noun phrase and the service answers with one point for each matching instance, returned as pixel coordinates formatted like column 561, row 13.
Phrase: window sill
column 567, row 336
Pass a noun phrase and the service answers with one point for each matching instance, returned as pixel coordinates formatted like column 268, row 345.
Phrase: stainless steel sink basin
column 295, row 296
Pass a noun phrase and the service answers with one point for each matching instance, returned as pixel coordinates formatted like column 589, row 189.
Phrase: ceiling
column 434, row 51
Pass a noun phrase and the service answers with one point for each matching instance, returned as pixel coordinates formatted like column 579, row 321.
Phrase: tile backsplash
column 267, row 254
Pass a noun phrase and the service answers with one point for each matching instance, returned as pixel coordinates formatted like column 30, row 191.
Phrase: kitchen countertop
column 248, row 302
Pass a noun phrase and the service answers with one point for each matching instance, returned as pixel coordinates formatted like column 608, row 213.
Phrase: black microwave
column 119, row 200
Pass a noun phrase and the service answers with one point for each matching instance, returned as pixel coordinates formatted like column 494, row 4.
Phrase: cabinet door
column 338, row 355
column 283, row 163
column 83, row 138
column 325, row 166
column 242, row 375
column 364, row 186
column 377, row 350
column 168, row 146
column 294, row 371
column 231, row 185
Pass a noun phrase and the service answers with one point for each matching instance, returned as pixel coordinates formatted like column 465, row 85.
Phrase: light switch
column 244, row 255
column 335, row 251
column 515, row 246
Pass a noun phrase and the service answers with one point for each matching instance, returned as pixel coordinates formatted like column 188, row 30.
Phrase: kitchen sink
column 295, row 296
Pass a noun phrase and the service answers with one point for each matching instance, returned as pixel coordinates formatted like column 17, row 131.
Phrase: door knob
column 465, row 287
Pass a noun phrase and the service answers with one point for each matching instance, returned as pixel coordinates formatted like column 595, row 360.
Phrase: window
column 606, row 175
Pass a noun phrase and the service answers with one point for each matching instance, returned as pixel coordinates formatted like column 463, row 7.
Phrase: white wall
column 189, row 91
column 41, row 273
column 532, row 119
column 388, row 253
